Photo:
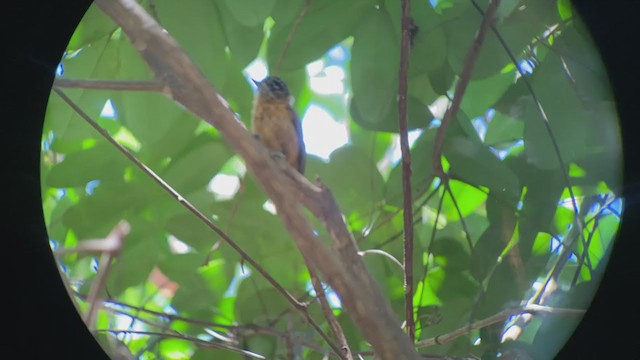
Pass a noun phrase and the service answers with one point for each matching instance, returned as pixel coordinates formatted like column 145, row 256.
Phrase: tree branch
column 341, row 266
column 109, row 248
column 497, row 318
column 294, row 29
column 192, row 339
column 334, row 325
column 119, row 85
column 406, row 171
column 465, row 76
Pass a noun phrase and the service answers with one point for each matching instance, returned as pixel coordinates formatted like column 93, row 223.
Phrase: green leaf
column 418, row 116
column 243, row 40
column 101, row 162
column 193, row 294
column 203, row 39
column 565, row 114
column 95, row 24
column 197, row 167
column 255, row 304
column 503, row 128
column 541, row 245
column 353, row 178
column 483, row 94
column 286, row 11
column 543, row 190
column 138, row 257
column 175, row 349
column 491, row 243
column 565, row 10
column 191, row 230
column 325, row 24
column 374, row 67
column 421, row 170
column 518, row 30
column 468, row 198
column 248, row 12
column 451, row 253
column 441, row 79
column 473, row 163
column 94, row 216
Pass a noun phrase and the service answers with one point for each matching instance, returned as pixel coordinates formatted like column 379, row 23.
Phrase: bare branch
column 119, row 85
column 465, row 76
column 497, row 318
column 406, row 170
column 109, row 247
column 192, row 339
column 336, row 329
column 294, row 29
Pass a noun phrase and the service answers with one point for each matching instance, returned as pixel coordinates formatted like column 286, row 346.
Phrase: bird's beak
column 256, row 82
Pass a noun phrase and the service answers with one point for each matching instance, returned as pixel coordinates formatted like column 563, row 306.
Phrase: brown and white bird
column 276, row 123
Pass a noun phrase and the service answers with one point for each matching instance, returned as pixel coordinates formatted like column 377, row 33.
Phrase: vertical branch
column 465, row 76
column 406, row 170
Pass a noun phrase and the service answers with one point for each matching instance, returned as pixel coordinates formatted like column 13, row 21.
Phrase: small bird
column 275, row 122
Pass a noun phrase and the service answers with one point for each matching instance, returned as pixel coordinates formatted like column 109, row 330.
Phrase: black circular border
column 42, row 321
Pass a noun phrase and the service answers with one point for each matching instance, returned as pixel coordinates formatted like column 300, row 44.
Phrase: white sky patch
column 332, row 83
column 322, row 134
column 337, row 53
column 397, row 153
column 223, row 186
column 269, row 207
column 314, row 68
column 177, row 246
column 108, row 111
column 256, row 70
column 439, row 107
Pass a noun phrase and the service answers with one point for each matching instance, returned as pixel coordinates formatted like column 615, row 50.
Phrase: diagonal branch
column 294, row 29
column 497, row 318
column 406, row 171
column 463, row 82
column 195, row 340
column 334, row 325
column 120, row 85
column 340, row 265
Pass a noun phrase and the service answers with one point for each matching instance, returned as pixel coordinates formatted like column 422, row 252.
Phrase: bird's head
column 273, row 88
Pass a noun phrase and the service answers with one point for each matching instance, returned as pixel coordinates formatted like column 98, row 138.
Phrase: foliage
column 487, row 242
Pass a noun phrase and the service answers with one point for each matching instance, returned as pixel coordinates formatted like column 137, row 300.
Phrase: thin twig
column 406, row 170
column 434, row 229
column 497, row 318
column 447, row 187
column 334, row 325
column 301, row 307
column 117, row 85
column 383, row 253
column 463, row 82
column 192, row 339
column 239, row 330
column 109, row 248
column 294, row 29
